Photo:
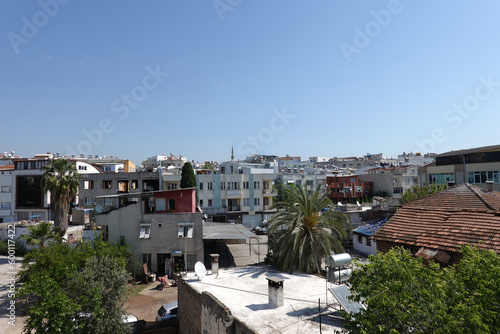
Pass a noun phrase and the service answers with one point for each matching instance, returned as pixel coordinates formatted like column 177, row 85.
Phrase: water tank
column 333, row 275
column 338, row 260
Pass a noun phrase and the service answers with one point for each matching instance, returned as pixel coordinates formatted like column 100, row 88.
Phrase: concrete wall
column 204, row 313
column 163, row 238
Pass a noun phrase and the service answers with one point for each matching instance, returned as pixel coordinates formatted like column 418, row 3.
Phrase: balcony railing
column 234, row 208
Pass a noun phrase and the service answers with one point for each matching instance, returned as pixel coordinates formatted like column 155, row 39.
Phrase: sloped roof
column 470, row 150
column 464, row 214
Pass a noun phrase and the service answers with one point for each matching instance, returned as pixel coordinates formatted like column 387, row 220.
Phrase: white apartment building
column 6, row 191
column 238, row 192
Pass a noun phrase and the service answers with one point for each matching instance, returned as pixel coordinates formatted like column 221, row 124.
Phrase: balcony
column 233, row 193
column 210, row 210
column 234, row 208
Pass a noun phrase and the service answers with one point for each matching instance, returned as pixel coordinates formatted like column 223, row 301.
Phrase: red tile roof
column 6, row 167
column 460, row 215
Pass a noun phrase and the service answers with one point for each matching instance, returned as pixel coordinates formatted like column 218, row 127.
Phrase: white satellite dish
column 200, row 270
column 99, row 209
column 339, row 204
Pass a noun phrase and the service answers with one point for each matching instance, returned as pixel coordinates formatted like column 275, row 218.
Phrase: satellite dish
column 339, row 204
column 99, row 209
column 200, row 270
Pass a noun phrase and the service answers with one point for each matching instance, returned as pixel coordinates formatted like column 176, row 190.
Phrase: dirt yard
column 146, row 303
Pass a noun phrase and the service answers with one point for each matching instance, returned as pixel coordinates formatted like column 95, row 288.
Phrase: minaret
column 232, row 153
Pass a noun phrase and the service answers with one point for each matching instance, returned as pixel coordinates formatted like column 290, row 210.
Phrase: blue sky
column 324, row 78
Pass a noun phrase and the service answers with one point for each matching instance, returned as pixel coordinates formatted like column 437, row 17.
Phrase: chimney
column 275, row 288
column 215, row 264
column 489, row 184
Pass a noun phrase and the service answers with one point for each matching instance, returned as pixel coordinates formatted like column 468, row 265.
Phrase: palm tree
column 62, row 180
column 40, row 234
column 305, row 230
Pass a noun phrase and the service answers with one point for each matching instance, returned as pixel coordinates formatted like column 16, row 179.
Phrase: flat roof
column 226, row 231
column 244, row 290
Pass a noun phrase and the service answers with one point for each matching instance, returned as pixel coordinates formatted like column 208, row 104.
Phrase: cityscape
column 244, row 167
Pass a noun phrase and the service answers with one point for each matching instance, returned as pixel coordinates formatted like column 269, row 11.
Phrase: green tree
column 305, row 230
column 188, row 179
column 62, row 180
column 78, row 289
column 403, row 295
column 419, row 192
column 41, row 233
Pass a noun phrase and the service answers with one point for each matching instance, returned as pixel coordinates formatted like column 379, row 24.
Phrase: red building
column 347, row 188
column 171, row 201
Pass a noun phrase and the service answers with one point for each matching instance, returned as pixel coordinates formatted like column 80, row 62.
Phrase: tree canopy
column 403, row 295
column 79, row 289
column 422, row 191
column 41, row 233
column 61, row 178
column 305, row 230
column 188, row 179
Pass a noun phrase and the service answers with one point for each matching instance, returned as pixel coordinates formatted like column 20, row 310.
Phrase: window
column 245, row 185
column 160, row 204
column 82, row 167
column 246, row 201
column 134, row 184
column 185, row 230
column 309, row 184
column 359, row 189
column 201, row 186
column 209, row 203
column 256, row 201
column 368, row 242
column 145, row 231
column 360, row 239
column 107, row 184
column 123, row 186
column 441, row 178
column 407, row 180
column 201, row 203
column 6, row 189
column 89, row 184
column 266, row 184
column 107, row 169
column 223, row 203
column 171, row 186
column 108, row 201
column 209, row 185
column 223, row 170
column 266, row 200
column 482, row 177
column 5, row 206
column 222, row 185
column 171, row 204
column 89, row 201
column 256, row 185
column 397, row 190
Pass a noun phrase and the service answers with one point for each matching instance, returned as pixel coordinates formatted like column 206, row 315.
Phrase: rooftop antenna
column 232, row 152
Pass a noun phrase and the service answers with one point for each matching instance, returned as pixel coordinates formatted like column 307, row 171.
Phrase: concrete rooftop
column 244, row 290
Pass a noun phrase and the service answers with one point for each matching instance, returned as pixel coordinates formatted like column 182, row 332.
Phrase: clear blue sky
column 319, row 78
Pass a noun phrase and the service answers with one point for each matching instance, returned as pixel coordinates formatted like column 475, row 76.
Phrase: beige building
column 474, row 166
